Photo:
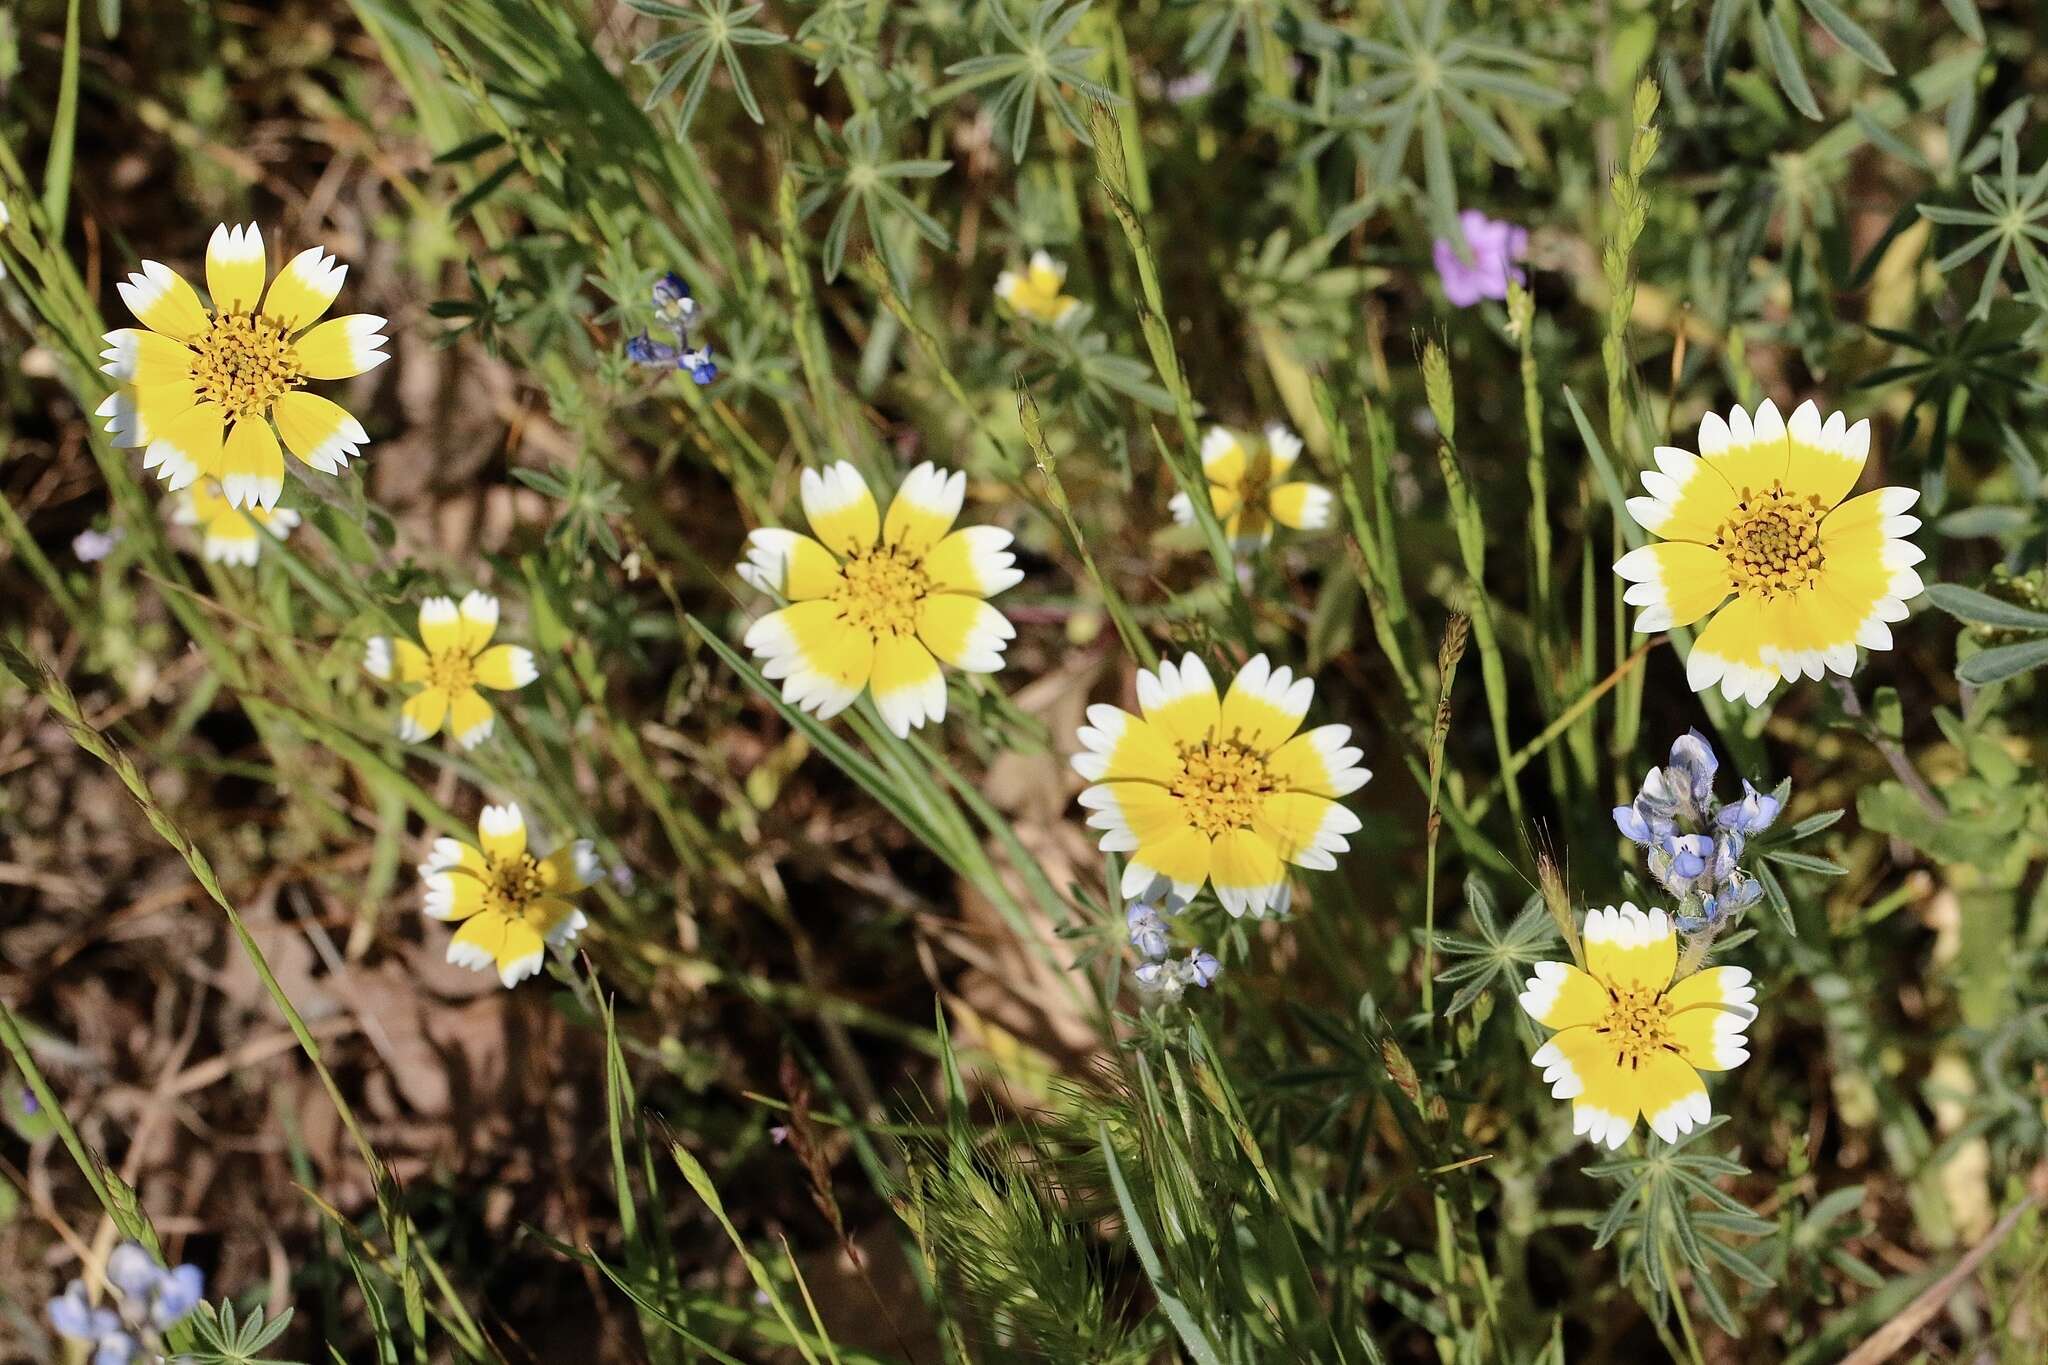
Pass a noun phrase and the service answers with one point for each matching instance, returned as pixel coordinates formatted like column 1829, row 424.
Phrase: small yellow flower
column 453, row 665
column 1034, row 292
column 1631, row 1041
column 229, row 535
column 208, row 392
column 876, row 604
column 1250, row 490
column 1758, row 515
column 1218, row 792
column 512, row 905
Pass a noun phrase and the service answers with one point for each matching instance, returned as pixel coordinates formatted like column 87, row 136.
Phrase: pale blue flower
column 1751, row 815
column 1493, row 246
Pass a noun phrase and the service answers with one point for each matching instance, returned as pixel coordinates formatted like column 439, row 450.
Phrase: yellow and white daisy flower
column 1034, row 292
column 1223, row 792
column 878, row 604
column 512, row 905
column 208, row 392
column 1631, row 1041
column 1759, row 515
column 229, row 535
column 1250, row 490
column 457, row 660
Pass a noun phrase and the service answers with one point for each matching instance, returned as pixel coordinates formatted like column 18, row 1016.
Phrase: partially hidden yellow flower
column 208, row 392
column 877, row 604
column 1034, row 292
column 1630, row 1041
column 1249, row 488
column 230, row 535
column 1219, row 792
column 1758, row 515
column 512, row 905
column 458, row 658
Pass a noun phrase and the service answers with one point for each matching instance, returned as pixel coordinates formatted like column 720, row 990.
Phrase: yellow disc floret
column 1637, row 1023
column 245, row 364
column 1221, row 786
column 1772, row 542
column 882, row 590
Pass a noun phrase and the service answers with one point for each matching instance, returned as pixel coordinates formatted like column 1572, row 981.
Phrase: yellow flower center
column 514, row 885
column 1220, row 786
column 451, row 670
column 1638, row 1023
column 1772, row 543
column 883, row 587
column 245, row 364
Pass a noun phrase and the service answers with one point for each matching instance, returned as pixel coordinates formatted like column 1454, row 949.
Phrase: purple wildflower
column 1493, row 245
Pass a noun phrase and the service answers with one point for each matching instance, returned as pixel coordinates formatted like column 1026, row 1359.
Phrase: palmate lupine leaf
column 1669, row 1200
column 711, row 33
column 1428, row 80
column 1772, row 25
column 864, row 177
column 2013, row 221
column 1494, row 957
column 1043, row 62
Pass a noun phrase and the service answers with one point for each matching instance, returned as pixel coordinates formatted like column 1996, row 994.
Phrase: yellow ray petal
column 321, row 433
column 924, row 508
column 421, row 716
column 1303, row 506
column 1180, row 699
column 1308, row 831
column 976, row 561
column 477, row 943
column 342, row 347
column 235, row 268
column 1264, row 705
column 505, row 667
column 1559, row 996
column 965, row 632
column 822, row 660
column 1223, row 459
column 1116, row 744
column 1580, row 1065
column 1675, row 582
column 411, row 661
column 570, row 868
column 1320, row 762
column 839, row 507
column 520, row 953
column 793, row 565
column 1710, row 1012
column 453, row 893
column 188, row 447
column 1671, row 1094
column 163, row 302
column 1827, row 457
column 1627, row 949
column 907, row 685
column 1181, row 857
column 1246, row 872
column 252, row 465
column 470, row 718
column 1729, row 651
column 478, row 617
column 1750, row 452
column 501, row 832
column 303, row 289
column 440, row 625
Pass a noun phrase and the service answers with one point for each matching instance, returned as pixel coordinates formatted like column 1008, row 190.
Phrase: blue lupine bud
column 1753, row 814
column 1632, row 825
column 642, row 350
column 1693, row 766
column 178, row 1293
column 1202, row 968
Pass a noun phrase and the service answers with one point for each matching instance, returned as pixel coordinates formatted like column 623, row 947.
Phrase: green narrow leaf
column 1783, row 59
column 1190, row 1331
column 1996, row 665
column 1720, row 37
column 63, row 129
column 1964, row 12
column 1850, row 34
column 1980, row 608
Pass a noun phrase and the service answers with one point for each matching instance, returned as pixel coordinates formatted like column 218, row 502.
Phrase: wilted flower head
column 1493, row 246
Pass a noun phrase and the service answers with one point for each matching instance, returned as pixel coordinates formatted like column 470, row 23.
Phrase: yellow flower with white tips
column 1758, row 515
column 1631, row 1041
column 512, row 905
column 208, row 392
column 230, row 535
column 458, row 658
column 878, row 603
column 1249, row 488
column 1223, row 792
column 1034, row 292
